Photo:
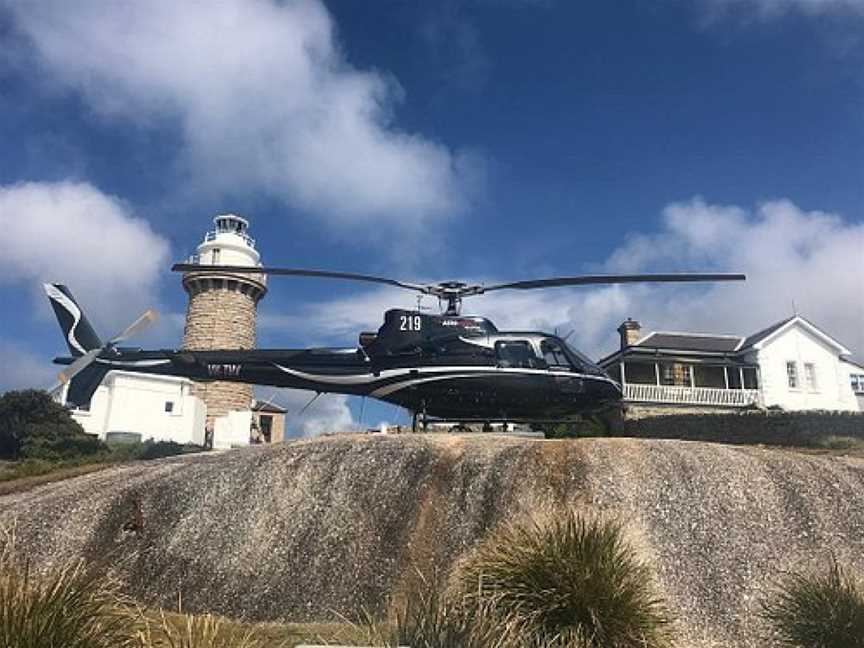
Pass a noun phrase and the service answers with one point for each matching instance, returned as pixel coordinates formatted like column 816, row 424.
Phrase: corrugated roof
column 691, row 342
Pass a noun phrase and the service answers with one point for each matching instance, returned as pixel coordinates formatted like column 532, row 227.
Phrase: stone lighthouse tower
column 222, row 307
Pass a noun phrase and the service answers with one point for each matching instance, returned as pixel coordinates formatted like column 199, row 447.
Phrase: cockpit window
column 587, row 365
column 554, row 355
column 516, row 353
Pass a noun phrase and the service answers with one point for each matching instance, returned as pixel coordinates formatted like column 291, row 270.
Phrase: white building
column 856, row 379
column 792, row 365
column 134, row 406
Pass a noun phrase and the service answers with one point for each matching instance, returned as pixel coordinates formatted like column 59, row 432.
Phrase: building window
column 169, row 406
column 810, row 376
column 675, row 374
column 792, row 374
column 857, row 383
column 216, row 253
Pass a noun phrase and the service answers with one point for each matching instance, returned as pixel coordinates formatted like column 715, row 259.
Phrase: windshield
column 516, row 353
column 554, row 355
column 586, row 364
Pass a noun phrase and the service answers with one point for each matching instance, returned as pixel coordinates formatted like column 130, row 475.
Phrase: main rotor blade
column 78, row 366
column 297, row 272
column 615, row 279
column 144, row 321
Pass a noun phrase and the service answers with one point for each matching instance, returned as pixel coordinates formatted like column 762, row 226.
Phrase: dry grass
column 73, row 607
column 190, row 631
column 269, row 635
column 17, row 480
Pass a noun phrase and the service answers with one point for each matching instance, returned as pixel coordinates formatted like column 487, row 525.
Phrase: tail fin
column 84, row 384
column 80, row 336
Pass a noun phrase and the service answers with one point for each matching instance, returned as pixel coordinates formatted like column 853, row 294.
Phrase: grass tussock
column 566, row 580
column 818, row 610
column 73, row 607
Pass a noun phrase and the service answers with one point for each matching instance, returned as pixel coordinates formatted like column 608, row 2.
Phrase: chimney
column 630, row 332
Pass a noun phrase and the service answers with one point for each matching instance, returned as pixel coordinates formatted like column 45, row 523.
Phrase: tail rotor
column 83, row 342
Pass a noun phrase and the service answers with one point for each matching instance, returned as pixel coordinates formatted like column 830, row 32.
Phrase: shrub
column 158, row 449
column 149, row 449
column 568, row 581
column 71, row 607
column 820, row 609
column 33, row 426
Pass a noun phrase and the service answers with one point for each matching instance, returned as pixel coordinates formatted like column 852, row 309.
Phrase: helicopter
column 445, row 367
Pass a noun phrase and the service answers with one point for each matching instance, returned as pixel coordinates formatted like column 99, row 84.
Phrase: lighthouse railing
column 211, row 236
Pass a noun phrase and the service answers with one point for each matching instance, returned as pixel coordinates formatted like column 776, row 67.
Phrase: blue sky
column 477, row 139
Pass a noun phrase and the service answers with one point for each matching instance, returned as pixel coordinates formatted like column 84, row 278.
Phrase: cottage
column 791, row 364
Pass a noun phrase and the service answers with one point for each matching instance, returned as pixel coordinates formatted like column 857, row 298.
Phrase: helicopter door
column 516, row 353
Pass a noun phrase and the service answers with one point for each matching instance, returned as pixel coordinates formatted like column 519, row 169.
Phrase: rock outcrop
column 311, row 529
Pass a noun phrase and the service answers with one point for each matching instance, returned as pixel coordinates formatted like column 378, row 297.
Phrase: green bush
column 818, row 610
column 33, row 426
column 149, row 450
column 568, row 580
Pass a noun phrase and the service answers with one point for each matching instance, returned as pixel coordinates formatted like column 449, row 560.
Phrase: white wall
column 132, row 402
column 232, row 430
column 798, row 344
column 848, row 369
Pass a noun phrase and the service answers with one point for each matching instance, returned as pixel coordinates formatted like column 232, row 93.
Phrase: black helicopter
column 450, row 366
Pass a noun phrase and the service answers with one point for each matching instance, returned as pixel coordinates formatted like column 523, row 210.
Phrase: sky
column 480, row 140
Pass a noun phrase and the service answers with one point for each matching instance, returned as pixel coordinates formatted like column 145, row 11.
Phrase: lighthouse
column 221, row 314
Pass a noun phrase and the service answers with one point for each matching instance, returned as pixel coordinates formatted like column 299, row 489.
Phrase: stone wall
column 640, row 410
column 220, row 318
column 814, row 429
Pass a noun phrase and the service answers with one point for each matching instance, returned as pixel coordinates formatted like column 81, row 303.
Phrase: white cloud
column 793, row 259
column 772, row 8
column 262, row 95
column 23, row 369
column 329, row 412
column 73, row 233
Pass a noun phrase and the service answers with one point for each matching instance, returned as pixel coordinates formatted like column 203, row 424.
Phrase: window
column 516, row 354
column 554, row 355
column 675, row 374
column 216, row 253
column 169, row 406
column 583, row 363
column 810, row 376
column 857, row 383
column 792, row 374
